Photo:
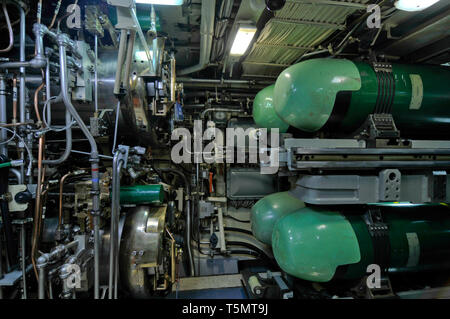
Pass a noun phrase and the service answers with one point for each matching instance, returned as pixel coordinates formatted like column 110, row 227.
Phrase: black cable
column 157, row 172
column 244, row 252
column 249, row 246
column 238, row 230
column 172, row 163
column 236, row 219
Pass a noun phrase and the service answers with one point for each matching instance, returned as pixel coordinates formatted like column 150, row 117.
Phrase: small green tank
column 268, row 210
column 264, row 112
column 142, row 194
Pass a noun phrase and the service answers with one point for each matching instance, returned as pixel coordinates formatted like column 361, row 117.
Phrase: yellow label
column 416, row 92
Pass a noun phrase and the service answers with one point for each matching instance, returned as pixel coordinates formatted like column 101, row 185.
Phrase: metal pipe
column 23, row 260
column 97, row 239
column 61, row 187
column 218, row 109
column 219, row 81
column 129, row 58
column 4, row 133
column 1, row 261
column 206, row 37
column 14, row 119
column 115, row 212
column 22, row 81
column 22, row 69
column 48, row 93
column 155, row 57
column 95, row 75
column 41, row 281
column 10, row 30
column 18, row 175
column 120, row 56
column 68, row 148
column 94, row 158
column 117, row 239
column 37, row 207
column 173, row 76
column 39, row 61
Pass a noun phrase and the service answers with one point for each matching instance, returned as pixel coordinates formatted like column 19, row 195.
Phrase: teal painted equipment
column 338, row 95
column 313, row 243
column 141, row 194
column 264, row 113
column 268, row 210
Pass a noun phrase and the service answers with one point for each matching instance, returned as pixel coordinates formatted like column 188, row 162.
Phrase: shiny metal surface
column 140, row 248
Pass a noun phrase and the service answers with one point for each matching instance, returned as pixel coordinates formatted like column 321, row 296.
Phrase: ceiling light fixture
column 414, row 5
column 242, row 40
column 162, row 2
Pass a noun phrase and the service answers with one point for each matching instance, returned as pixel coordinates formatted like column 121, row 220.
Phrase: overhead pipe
column 206, row 37
column 221, row 81
column 63, row 43
column 218, row 109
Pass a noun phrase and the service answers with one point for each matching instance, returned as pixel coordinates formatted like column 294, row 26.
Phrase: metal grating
column 296, row 29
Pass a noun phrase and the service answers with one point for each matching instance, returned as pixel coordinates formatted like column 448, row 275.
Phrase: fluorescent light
column 163, row 2
column 242, row 40
column 142, row 55
column 414, row 5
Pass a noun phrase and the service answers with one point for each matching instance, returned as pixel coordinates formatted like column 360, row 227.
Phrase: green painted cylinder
column 320, row 245
column 268, row 210
column 338, row 95
column 264, row 113
column 141, row 194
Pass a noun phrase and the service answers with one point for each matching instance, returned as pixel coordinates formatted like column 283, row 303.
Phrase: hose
column 261, row 252
column 10, row 30
column 236, row 219
column 238, row 230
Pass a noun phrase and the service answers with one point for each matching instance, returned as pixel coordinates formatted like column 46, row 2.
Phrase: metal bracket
column 384, row 292
column 123, row 154
column 382, row 125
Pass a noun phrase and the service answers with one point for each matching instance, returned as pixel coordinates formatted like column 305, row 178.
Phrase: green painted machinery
column 264, row 113
column 268, row 210
column 338, row 95
column 319, row 245
column 141, row 194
